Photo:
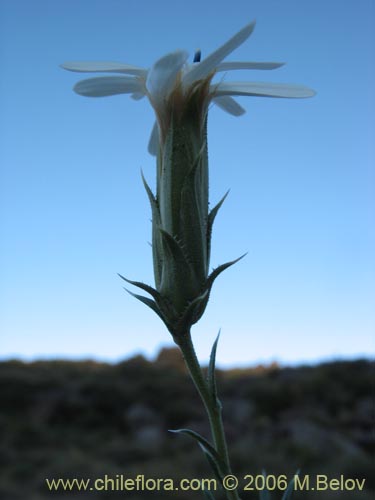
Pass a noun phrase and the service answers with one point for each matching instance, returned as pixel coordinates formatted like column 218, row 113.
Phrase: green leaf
column 164, row 309
column 289, row 491
column 212, row 464
column 150, row 194
column 150, row 303
column 216, row 208
column 156, row 241
column 173, row 248
column 210, row 280
column 264, row 494
column 209, row 449
column 211, row 378
column 179, row 282
column 189, row 316
column 215, row 273
column 199, row 170
column 147, row 288
column 210, row 223
column 178, row 157
column 207, row 494
column 193, row 221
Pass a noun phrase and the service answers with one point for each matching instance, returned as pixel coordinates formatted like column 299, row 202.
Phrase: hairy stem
column 212, row 405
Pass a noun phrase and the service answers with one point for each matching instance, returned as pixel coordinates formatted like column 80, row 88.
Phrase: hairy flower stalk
column 180, row 94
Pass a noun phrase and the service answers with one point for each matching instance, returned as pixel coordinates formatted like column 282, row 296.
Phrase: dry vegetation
column 85, row 419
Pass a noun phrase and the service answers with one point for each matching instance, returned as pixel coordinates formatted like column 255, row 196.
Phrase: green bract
column 181, row 221
column 180, row 94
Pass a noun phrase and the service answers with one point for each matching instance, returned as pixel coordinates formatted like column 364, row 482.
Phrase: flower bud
column 181, row 221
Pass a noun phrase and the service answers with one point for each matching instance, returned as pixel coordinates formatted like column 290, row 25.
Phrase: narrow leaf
column 147, row 288
column 150, row 303
column 289, row 491
column 207, row 494
column 150, row 194
column 211, row 378
column 173, row 247
column 210, row 280
column 193, row 217
column 175, row 164
column 156, row 238
column 215, row 210
column 165, row 308
column 191, row 313
column 210, row 223
column 215, row 273
column 206, row 445
column 179, row 279
column 264, row 494
column 212, row 464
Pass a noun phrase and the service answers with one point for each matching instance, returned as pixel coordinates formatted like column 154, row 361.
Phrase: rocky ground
column 86, row 420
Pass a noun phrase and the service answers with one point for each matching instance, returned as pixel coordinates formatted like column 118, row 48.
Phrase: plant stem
column 211, row 404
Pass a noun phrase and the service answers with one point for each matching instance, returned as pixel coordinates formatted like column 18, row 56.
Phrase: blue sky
column 73, row 211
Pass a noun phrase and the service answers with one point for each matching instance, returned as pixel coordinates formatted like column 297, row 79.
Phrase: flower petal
column 108, row 85
column 261, row 89
column 103, row 66
column 162, row 76
column 209, row 64
column 229, row 105
column 153, row 144
column 228, row 66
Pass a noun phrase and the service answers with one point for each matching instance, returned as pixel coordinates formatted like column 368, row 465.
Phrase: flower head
column 172, row 75
column 180, row 94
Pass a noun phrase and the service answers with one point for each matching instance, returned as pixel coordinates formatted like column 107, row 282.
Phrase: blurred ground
column 86, row 419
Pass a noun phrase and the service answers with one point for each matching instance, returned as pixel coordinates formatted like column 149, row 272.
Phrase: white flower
column 173, row 70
